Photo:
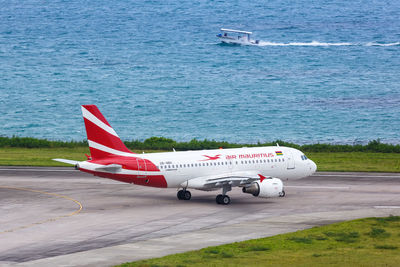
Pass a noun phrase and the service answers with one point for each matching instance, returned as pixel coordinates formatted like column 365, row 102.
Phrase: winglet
column 262, row 178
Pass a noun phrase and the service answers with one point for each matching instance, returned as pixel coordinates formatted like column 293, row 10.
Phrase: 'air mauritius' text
column 250, row 156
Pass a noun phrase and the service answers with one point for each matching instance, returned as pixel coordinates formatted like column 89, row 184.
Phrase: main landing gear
column 184, row 195
column 224, row 199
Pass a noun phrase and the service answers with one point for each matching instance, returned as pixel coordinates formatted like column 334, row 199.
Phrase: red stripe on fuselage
column 150, row 180
column 128, row 163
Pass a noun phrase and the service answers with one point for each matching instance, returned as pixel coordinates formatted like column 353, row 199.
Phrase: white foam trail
column 313, row 43
column 316, row 43
column 380, row 44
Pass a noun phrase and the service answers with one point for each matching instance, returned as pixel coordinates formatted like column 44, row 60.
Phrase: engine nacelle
column 272, row 187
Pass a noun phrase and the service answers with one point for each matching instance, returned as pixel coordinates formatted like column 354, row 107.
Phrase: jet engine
column 272, row 187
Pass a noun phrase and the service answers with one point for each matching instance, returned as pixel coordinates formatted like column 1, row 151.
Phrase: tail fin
column 103, row 140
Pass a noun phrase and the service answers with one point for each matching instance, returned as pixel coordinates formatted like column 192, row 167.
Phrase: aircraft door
column 142, row 168
column 290, row 160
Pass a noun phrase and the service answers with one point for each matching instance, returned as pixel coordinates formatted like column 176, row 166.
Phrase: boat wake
column 382, row 44
column 316, row 43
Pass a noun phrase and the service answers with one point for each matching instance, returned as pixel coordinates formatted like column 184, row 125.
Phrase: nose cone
column 313, row 167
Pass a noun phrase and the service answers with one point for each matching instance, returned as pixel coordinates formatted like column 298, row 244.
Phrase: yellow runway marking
column 48, row 220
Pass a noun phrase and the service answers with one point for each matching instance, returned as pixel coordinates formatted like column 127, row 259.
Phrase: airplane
column 257, row 170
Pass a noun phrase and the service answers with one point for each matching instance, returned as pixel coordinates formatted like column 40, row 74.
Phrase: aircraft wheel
column 187, row 195
column 282, row 194
column 225, row 200
column 180, row 194
column 218, row 199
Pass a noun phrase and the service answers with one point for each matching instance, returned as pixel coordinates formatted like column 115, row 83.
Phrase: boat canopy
column 229, row 30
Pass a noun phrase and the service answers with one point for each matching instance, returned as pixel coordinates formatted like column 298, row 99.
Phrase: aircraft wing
column 215, row 182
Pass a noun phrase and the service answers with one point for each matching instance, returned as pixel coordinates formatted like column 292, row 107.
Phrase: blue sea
column 325, row 71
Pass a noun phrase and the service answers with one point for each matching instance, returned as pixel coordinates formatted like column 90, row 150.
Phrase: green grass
column 15, row 156
column 40, row 156
column 341, row 244
column 356, row 161
column 335, row 161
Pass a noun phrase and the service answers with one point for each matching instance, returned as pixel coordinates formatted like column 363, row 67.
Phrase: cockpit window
column 303, row 157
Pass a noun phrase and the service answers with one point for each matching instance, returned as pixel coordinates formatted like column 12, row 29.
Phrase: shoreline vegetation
column 167, row 144
column 373, row 157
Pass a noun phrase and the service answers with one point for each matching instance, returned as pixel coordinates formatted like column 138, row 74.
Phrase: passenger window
column 283, row 160
column 192, row 165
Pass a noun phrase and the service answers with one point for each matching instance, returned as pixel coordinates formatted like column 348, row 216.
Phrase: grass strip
column 363, row 242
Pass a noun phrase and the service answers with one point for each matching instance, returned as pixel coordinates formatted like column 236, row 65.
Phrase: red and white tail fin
column 103, row 140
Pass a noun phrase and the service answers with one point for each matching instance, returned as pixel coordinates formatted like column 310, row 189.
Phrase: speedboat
column 229, row 36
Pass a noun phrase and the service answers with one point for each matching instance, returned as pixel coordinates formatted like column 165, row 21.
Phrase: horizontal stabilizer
column 68, row 161
column 110, row 168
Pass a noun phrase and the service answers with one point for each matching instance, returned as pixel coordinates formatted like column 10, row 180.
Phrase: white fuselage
column 179, row 167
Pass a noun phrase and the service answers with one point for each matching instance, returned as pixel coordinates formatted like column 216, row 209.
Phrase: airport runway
column 63, row 217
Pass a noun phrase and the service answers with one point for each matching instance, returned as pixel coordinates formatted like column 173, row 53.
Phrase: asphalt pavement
column 63, row 217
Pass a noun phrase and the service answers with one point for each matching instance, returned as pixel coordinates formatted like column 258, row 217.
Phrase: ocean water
column 326, row 71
